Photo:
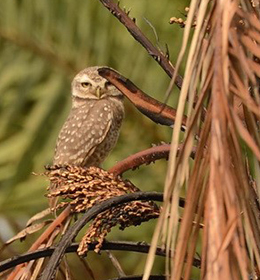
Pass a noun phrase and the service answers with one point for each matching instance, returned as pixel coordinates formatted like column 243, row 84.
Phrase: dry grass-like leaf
column 222, row 72
column 27, row 231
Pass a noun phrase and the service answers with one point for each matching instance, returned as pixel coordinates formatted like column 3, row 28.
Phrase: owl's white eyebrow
column 85, row 79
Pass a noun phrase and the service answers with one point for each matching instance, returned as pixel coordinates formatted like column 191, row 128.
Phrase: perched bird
column 92, row 127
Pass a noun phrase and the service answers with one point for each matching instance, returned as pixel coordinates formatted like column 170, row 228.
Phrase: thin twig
column 142, row 39
column 150, row 107
column 154, row 32
column 116, row 264
column 87, row 267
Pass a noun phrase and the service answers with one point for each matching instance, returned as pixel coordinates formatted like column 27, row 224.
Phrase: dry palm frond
column 222, row 73
column 86, row 187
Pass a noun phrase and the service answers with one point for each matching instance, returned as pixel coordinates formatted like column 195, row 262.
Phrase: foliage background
column 43, row 44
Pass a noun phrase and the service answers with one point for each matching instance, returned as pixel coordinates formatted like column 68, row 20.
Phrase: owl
column 92, row 127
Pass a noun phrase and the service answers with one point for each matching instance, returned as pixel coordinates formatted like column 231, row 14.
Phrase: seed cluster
column 82, row 188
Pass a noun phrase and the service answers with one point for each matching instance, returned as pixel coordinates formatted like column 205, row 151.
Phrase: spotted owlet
column 92, row 127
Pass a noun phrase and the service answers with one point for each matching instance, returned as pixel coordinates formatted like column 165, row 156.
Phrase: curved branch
column 112, row 245
column 128, row 246
column 144, row 157
column 68, row 237
column 153, row 109
column 138, row 247
column 142, row 39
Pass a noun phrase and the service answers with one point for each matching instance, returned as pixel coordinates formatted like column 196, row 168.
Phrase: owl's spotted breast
column 90, row 133
column 114, row 114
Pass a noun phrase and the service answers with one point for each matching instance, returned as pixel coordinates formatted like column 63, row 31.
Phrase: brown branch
column 144, row 157
column 142, row 39
column 150, row 107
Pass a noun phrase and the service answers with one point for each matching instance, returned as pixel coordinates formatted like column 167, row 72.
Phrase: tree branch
column 142, row 39
column 144, row 157
column 112, row 246
column 150, row 107
column 68, row 237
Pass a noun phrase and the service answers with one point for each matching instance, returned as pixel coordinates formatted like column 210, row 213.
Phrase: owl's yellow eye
column 85, row 84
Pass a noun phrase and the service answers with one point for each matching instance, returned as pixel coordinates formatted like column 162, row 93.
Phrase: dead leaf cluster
column 85, row 187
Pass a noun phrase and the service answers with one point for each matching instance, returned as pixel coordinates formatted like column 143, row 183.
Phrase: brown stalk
column 144, row 157
column 142, row 39
column 150, row 107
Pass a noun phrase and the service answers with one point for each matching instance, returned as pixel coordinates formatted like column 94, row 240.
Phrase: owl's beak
column 99, row 92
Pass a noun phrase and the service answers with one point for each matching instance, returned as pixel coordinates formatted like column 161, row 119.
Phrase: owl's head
column 88, row 84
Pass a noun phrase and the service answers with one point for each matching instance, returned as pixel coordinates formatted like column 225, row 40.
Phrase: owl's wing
column 83, row 131
column 101, row 117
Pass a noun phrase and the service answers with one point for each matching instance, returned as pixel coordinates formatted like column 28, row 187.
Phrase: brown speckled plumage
column 92, row 127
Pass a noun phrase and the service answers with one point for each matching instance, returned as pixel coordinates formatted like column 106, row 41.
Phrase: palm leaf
column 221, row 69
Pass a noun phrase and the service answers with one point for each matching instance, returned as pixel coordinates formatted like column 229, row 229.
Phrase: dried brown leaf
column 38, row 216
column 250, row 45
column 27, row 231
